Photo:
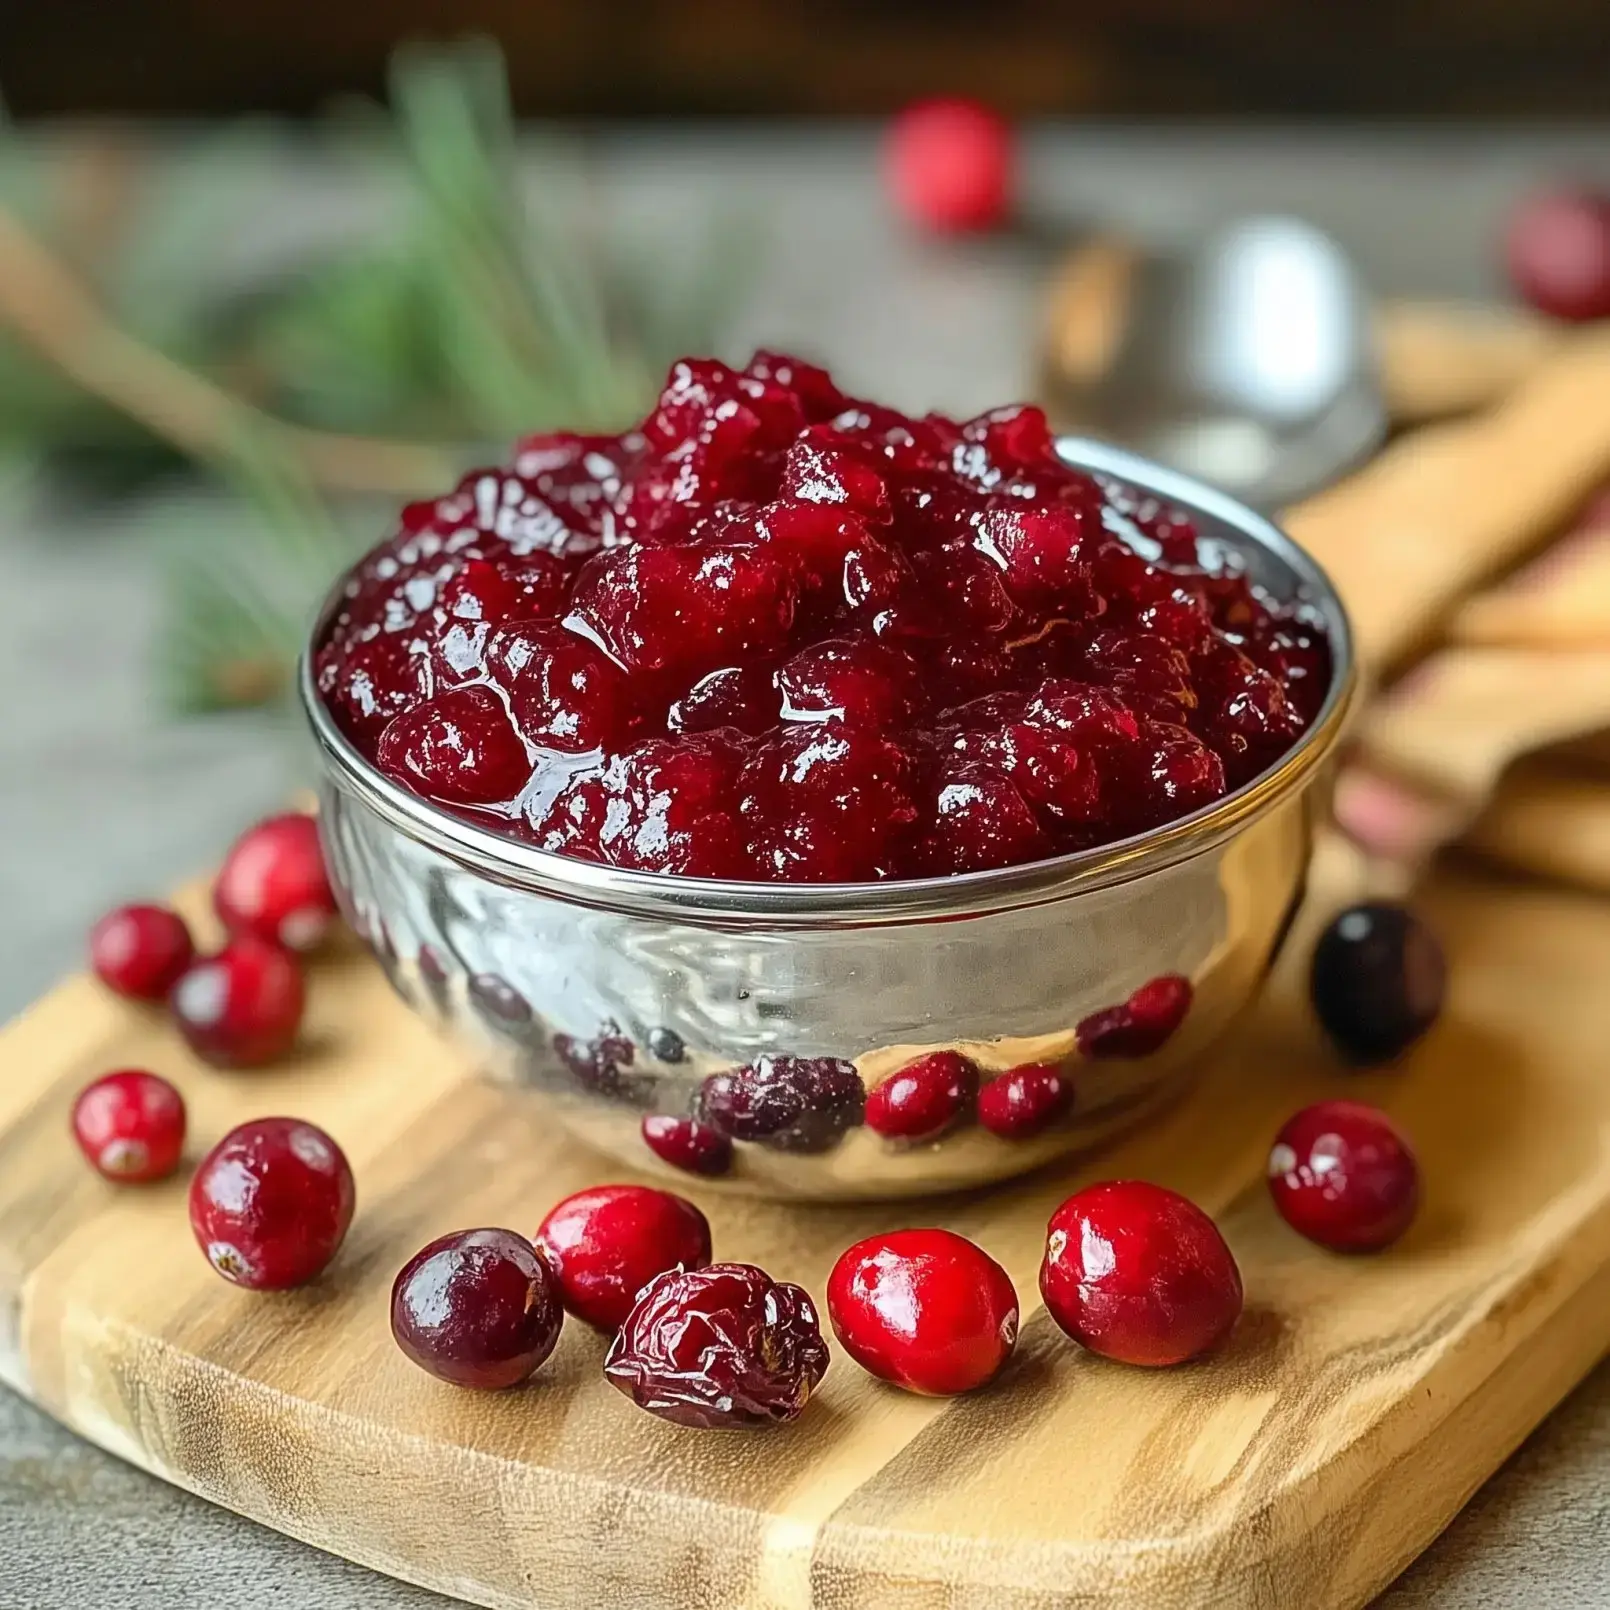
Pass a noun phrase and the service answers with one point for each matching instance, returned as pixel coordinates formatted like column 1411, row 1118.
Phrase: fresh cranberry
column 477, row 1308
column 140, row 951
column 1377, row 980
column 130, row 1125
column 687, row 1144
column 1558, row 249
column 605, row 1244
column 1342, row 1175
column 793, row 1104
column 949, row 165
column 459, row 746
column 273, row 884
column 1022, row 1102
column 1143, row 1025
column 720, row 1347
column 924, row 1098
column 242, row 1006
column 1139, row 1274
column 925, row 1309
column 271, row 1203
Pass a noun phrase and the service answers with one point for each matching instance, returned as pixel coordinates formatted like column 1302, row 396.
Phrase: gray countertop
column 102, row 799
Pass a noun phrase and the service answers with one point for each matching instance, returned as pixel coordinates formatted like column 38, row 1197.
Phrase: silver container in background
column 613, row 993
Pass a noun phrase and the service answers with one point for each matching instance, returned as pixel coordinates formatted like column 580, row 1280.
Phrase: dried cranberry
column 925, row 1309
column 794, row 1104
column 924, row 1098
column 687, row 1144
column 721, row 1347
column 273, row 884
column 130, row 1125
column 602, row 1063
column 140, row 951
column 1342, row 1175
column 1022, row 1102
column 242, row 1006
column 606, row 1243
column 459, row 746
column 1378, row 979
column 478, row 1308
column 1143, row 1025
column 271, row 1202
column 1139, row 1273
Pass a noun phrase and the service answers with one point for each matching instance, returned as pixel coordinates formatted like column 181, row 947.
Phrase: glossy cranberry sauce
column 776, row 633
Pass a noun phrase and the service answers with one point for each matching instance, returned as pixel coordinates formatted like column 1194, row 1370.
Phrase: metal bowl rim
column 768, row 905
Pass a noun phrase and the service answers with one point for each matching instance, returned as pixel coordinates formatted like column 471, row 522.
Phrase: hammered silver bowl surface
column 610, row 994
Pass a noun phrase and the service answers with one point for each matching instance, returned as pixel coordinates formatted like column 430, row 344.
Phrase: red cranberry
column 924, row 1098
column 980, row 820
column 241, row 1007
column 1022, row 1102
column 855, row 680
column 273, row 884
column 459, row 747
column 1377, row 981
column 1342, row 1175
column 793, row 1104
column 925, row 1309
column 271, row 1203
column 477, row 1308
column 130, row 1125
column 1143, row 1025
column 140, row 951
column 563, row 693
column 603, row 1063
column 719, row 1347
column 687, row 1144
column 605, row 1244
column 1139, row 1274
column 1558, row 249
column 949, row 165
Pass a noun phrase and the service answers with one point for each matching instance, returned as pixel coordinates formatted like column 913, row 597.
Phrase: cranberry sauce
column 776, row 633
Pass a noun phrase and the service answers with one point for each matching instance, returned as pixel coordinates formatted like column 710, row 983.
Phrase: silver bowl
column 612, row 994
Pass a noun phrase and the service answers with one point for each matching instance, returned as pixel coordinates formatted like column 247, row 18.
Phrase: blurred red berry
column 1557, row 246
column 949, row 165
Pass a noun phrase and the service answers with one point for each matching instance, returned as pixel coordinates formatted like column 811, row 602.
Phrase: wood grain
column 1359, row 1403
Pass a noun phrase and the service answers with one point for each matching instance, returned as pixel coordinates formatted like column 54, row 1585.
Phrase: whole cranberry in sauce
column 1377, row 980
column 477, row 1308
column 925, row 1309
column 1342, row 1174
column 1139, row 1273
column 606, row 1243
column 140, row 951
column 924, row 1098
column 130, row 1125
column 271, row 1202
column 273, row 884
column 242, row 1006
column 719, row 1348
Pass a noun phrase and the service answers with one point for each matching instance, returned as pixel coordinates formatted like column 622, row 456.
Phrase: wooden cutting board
column 1359, row 1404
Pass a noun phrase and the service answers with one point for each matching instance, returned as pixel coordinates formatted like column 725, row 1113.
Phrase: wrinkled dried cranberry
column 1022, row 1102
column 685, row 1143
column 924, row 1098
column 717, row 1348
column 1142, row 1025
column 794, row 1104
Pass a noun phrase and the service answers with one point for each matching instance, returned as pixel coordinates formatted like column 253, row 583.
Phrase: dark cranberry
column 271, row 1203
column 720, row 1347
column 687, row 1144
column 949, row 165
column 601, row 1063
column 130, row 1125
column 606, row 1244
column 665, row 1045
column 241, row 1007
column 477, row 1308
column 500, row 999
column 855, row 680
column 563, row 693
column 1144, row 1024
column 924, row 1098
column 1558, row 250
column 925, row 1309
column 740, row 696
column 980, row 820
column 1342, row 1175
column 1024, row 1101
column 1139, row 1273
column 794, row 1104
column 373, row 677
column 459, row 746
column 273, row 884
column 140, row 951
column 1378, row 979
